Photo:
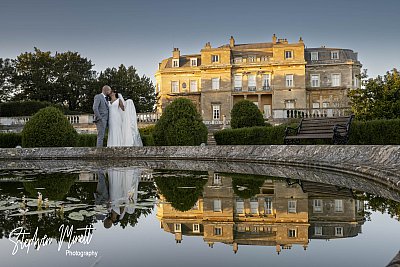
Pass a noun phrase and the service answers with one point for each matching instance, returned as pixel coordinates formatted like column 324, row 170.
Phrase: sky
column 142, row 33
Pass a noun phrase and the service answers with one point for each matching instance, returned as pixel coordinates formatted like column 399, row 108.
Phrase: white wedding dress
column 124, row 186
column 122, row 125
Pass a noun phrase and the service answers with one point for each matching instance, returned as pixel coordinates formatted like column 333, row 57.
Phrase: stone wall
column 378, row 163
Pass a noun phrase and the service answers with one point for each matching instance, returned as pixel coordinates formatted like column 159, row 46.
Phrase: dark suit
column 100, row 109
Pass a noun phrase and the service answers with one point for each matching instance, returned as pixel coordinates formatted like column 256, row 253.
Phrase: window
column 215, row 83
column 216, row 112
column 314, row 55
column 175, row 63
column 196, row 228
column 289, row 104
column 315, row 105
column 264, row 58
column 251, row 59
column 317, row 205
column 356, row 81
column 335, row 79
column 238, row 60
column 217, row 205
column 314, row 80
column 175, row 87
column 193, row 86
column 217, row 179
column 288, row 54
column 318, row 230
column 193, row 62
column 292, row 206
column 239, row 206
column 254, row 206
column 334, row 54
column 252, row 82
column 338, row 231
column 177, row 227
column 268, row 205
column 325, row 104
column 238, row 82
column 218, row 231
column 338, row 205
column 292, row 233
column 289, row 80
column 266, row 81
column 214, row 58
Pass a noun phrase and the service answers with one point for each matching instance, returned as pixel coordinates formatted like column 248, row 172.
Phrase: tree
column 379, row 98
column 34, row 76
column 73, row 79
column 180, row 125
column 7, row 70
column 246, row 114
column 128, row 82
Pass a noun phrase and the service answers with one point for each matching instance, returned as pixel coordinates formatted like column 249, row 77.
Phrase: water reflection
column 252, row 210
column 232, row 209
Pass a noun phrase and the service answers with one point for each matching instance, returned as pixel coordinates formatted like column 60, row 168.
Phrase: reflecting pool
column 121, row 215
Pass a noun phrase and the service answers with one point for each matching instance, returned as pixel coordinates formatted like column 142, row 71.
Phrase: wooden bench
column 335, row 129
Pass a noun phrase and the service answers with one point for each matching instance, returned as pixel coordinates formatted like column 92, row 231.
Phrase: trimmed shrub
column 86, row 140
column 49, row 128
column 147, row 130
column 259, row 135
column 55, row 186
column 376, row 132
column 8, row 140
column 180, row 125
column 246, row 114
column 147, row 140
column 181, row 191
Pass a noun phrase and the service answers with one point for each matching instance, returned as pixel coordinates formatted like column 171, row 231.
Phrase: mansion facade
column 277, row 76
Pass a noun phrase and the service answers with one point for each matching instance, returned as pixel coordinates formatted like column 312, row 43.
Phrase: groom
column 100, row 109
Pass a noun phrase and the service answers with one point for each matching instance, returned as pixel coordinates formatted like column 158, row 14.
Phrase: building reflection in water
column 236, row 210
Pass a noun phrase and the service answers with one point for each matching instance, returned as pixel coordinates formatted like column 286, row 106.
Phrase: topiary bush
column 180, row 125
column 182, row 191
column 49, row 128
column 246, row 114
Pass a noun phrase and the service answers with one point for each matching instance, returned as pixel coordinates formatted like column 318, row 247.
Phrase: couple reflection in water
column 118, row 190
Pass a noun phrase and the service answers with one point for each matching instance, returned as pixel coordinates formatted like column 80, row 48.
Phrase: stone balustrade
column 310, row 113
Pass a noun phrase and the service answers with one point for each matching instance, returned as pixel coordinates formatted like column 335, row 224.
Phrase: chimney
column 274, row 39
column 301, row 40
column 176, row 53
column 232, row 42
column 207, row 46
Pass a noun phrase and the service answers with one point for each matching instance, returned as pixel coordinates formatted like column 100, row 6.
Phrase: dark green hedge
column 375, row 132
column 10, row 140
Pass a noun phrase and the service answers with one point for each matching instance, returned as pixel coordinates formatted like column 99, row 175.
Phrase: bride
column 122, row 122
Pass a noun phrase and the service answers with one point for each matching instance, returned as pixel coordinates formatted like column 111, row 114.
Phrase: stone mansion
column 278, row 76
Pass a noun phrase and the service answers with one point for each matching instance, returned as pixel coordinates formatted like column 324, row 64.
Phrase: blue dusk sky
column 142, row 33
